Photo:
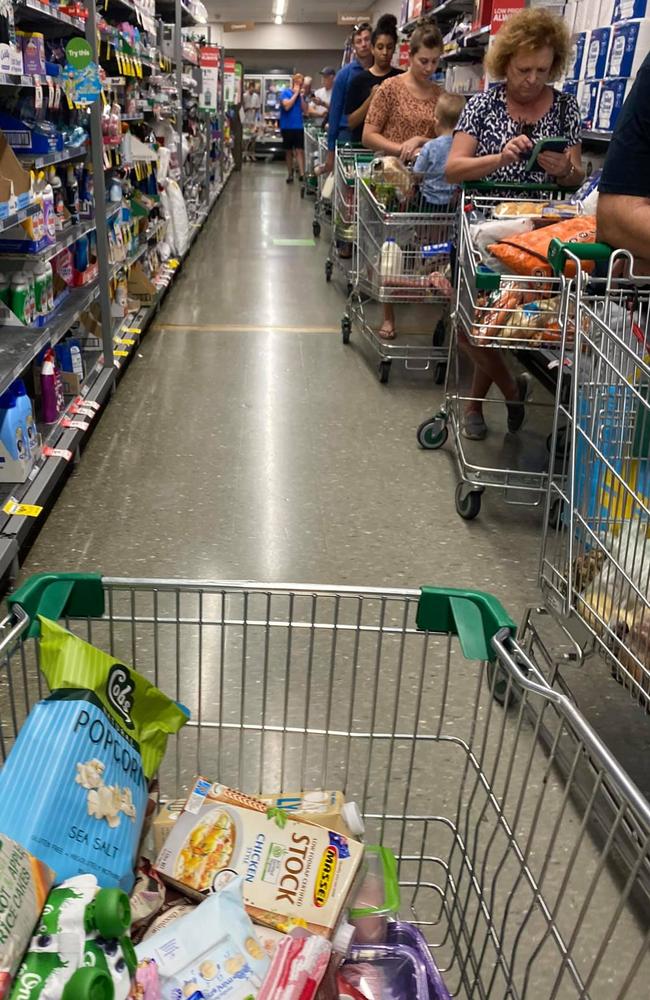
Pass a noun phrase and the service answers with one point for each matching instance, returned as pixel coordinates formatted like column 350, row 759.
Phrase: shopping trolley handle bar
column 59, row 595
column 475, row 617
column 559, row 251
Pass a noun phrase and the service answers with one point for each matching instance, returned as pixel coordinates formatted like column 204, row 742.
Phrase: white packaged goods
column 626, row 10
column 597, row 53
column 291, row 868
column 630, row 45
column 610, row 102
column 588, row 101
column 577, row 58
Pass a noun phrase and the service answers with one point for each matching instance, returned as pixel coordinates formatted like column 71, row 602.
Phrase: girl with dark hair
column 364, row 85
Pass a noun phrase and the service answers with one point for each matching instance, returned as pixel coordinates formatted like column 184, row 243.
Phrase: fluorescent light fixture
column 278, row 19
column 279, row 7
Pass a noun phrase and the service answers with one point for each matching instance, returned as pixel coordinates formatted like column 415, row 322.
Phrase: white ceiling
column 320, row 11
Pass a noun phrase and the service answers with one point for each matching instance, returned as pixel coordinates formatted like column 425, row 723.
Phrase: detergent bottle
column 26, row 411
column 52, row 398
column 12, row 439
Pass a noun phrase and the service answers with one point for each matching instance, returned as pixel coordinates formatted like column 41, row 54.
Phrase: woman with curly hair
column 493, row 140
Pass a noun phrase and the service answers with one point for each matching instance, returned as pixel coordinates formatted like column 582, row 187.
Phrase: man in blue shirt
column 338, row 123
column 292, row 108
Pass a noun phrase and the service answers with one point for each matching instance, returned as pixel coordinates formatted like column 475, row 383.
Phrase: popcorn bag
column 74, row 788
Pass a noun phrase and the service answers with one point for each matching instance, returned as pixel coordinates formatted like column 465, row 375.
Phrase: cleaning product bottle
column 81, row 254
column 52, row 398
column 50, row 286
column 47, row 196
column 19, row 298
column 390, row 262
column 11, row 431
column 26, row 410
column 72, row 194
column 59, row 199
column 88, row 190
column 41, row 288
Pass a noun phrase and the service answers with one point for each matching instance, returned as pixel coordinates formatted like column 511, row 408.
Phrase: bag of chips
column 527, row 254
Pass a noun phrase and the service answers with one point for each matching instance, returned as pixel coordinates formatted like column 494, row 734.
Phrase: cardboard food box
column 25, row 883
column 140, row 287
column 164, row 821
column 291, row 868
column 14, row 179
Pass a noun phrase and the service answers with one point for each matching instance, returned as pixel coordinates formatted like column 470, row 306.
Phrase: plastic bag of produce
column 527, row 254
column 74, row 789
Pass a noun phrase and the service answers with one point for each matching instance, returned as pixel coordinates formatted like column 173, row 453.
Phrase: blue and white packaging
column 576, row 60
column 610, row 102
column 629, row 47
column 588, row 101
column 571, row 87
column 628, row 10
column 597, row 53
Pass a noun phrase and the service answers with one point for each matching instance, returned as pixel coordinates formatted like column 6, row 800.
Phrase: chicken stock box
column 291, row 868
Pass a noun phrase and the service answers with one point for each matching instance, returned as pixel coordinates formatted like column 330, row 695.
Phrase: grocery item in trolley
column 212, row 951
column 298, row 967
column 74, row 788
column 377, row 900
column 24, row 885
column 325, row 808
column 514, row 312
column 528, row 253
column 80, row 948
column 383, row 972
column 291, row 868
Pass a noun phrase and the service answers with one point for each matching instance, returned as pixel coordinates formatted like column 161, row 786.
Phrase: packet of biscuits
column 291, row 867
column 212, row 951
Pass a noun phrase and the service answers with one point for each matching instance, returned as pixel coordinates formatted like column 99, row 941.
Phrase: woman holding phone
column 493, row 141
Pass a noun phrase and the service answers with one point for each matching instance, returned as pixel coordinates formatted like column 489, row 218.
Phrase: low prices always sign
column 502, row 10
column 209, row 57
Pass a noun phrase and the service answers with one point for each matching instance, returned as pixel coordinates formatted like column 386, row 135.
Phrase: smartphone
column 555, row 145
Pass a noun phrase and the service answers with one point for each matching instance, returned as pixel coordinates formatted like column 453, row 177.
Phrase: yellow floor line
column 243, row 328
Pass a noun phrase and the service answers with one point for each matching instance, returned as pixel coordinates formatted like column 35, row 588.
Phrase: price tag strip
column 14, row 508
column 50, row 452
column 77, row 425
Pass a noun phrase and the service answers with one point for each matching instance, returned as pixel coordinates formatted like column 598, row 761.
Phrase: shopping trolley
column 404, row 254
column 310, row 179
column 507, row 312
column 595, row 564
column 344, row 212
column 388, row 695
column 323, row 203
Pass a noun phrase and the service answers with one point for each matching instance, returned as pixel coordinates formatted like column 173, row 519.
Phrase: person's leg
column 300, row 155
column 490, row 367
column 289, row 159
column 387, row 328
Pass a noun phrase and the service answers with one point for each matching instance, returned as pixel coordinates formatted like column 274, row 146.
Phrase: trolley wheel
column 384, row 371
column 329, row 270
column 316, row 228
column 440, row 373
column 468, row 502
column 433, row 433
column 440, row 333
column 346, row 329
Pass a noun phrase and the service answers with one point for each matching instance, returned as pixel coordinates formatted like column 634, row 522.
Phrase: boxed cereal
column 24, row 884
column 290, row 867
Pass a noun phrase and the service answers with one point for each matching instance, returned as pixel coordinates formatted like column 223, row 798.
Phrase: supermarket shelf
column 132, row 118
column 589, row 135
column 49, row 159
column 33, row 11
column 469, row 48
column 66, row 239
column 166, row 10
column 16, row 217
column 445, row 11
column 19, row 345
column 13, row 80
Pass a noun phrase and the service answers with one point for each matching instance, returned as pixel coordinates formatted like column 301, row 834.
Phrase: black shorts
column 293, row 138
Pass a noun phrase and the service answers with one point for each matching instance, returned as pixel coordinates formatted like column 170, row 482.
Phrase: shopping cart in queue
column 342, row 254
column 595, row 565
column 389, row 696
column 404, row 255
column 310, row 179
column 506, row 312
column 324, row 190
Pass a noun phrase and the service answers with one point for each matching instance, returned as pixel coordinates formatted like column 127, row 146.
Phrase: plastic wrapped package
column 378, row 898
column 406, row 935
column 383, row 972
column 527, row 254
column 298, row 967
column 179, row 219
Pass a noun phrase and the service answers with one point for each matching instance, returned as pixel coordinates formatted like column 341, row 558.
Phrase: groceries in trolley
column 74, row 788
column 24, row 884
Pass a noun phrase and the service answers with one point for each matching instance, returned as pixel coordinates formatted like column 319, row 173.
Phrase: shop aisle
column 247, row 442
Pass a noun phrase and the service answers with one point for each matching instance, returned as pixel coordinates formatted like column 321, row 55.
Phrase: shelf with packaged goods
column 444, row 11
column 589, row 135
column 468, row 48
column 166, row 9
column 126, row 10
column 14, row 218
column 19, row 345
column 66, row 239
column 40, row 160
column 13, row 80
column 34, row 12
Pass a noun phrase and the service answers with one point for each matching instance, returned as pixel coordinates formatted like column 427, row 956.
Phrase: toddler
column 433, row 156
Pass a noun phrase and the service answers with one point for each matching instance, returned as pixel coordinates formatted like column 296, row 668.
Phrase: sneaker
column 517, row 411
column 474, row 426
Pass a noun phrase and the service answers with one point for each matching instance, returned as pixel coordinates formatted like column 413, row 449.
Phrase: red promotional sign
column 229, row 65
column 404, row 51
column 502, row 10
column 209, row 56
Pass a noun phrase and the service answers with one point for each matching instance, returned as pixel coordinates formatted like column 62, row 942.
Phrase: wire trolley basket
column 323, row 203
column 388, row 695
column 521, row 314
column 344, row 212
column 595, row 566
column 404, row 255
column 310, row 179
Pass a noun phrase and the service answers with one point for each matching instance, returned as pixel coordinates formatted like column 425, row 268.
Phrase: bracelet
column 572, row 171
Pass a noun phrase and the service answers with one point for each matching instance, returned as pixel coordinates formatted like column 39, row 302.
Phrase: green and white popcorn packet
column 74, row 788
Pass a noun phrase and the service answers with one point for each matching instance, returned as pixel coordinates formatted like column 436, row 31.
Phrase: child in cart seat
column 432, row 160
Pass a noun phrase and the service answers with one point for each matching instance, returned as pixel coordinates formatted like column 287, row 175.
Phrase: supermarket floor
column 247, row 442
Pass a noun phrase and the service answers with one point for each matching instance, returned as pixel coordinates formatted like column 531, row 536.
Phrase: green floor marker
column 294, row 243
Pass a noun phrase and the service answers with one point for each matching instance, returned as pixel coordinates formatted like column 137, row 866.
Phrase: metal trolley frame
column 343, row 247
column 505, row 865
column 421, row 275
column 312, row 160
column 507, row 312
column 595, row 562
column 322, row 205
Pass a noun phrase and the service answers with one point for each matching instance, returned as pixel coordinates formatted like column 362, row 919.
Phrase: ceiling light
column 278, row 18
column 279, row 7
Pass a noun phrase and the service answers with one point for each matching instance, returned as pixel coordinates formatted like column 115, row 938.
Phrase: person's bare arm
column 358, row 117
column 289, row 102
column 373, row 139
column 623, row 221
column 464, row 165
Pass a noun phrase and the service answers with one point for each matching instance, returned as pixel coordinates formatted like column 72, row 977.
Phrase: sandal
column 386, row 332
column 474, row 426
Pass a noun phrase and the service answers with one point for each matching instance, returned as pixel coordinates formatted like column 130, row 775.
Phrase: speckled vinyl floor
column 246, row 442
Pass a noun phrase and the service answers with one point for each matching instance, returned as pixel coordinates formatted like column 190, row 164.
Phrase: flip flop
column 386, row 334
